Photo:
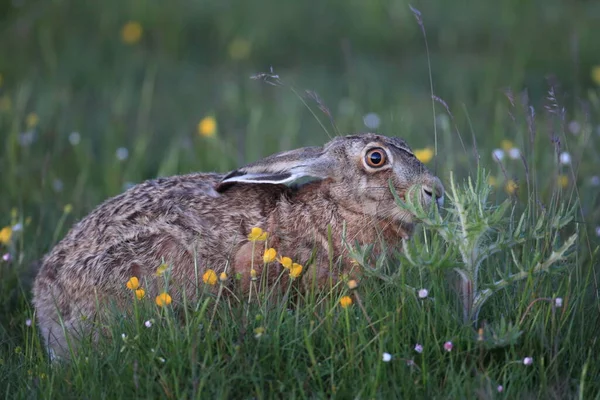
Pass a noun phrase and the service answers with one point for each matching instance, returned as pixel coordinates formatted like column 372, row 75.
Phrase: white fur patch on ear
column 273, row 179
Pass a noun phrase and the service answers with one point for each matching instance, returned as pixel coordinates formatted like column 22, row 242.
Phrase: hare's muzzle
column 433, row 190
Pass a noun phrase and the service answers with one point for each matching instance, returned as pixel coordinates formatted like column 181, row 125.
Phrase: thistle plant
column 469, row 233
column 477, row 230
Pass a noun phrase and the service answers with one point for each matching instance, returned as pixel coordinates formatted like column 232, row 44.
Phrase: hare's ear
column 282, row 169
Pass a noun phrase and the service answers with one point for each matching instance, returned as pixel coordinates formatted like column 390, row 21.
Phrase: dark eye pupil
column 376, row 158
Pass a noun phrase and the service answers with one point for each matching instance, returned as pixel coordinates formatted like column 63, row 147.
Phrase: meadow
column 497, row 294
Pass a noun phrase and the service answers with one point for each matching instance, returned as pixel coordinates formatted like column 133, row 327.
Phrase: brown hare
column 201, row 221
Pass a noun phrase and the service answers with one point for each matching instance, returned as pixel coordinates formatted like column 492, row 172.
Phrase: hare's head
column 358, row 170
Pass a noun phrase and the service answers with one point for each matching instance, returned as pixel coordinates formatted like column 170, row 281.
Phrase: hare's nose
column 437, row 190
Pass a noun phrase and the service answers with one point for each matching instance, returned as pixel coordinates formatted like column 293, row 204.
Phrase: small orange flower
column 257, row 235
column 140, row 293
column 223, row 277
column 286, row 262
column 596, row 74
column 269, row 255
column 207, row 127
column 295, row 270
column 209, row 277
column 424, row 155
column 253, row 274
column 133, row 283
column 352, row 284
column 511, row 186
column 163, row 299
column 131, row 33
column 506, row 144
column 5, row 235
column 346, row 301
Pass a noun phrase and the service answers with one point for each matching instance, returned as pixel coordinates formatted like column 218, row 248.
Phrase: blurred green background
column 96, row 96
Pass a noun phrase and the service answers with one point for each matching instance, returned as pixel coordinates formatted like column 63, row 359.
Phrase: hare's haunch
column 197, row 222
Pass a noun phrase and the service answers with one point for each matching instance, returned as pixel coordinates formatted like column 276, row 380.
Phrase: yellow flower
column 5, row 235
column 511, row 186
column 424, row 155
column 207, row 127
column 257, row 235
column 352, row 284
column 161, row 269
column 31, row 120
column 68, row 209
column 269, row 255
column 140, row 293
column 5, row 103
column 163, row 299
column 253, row 274
column 596, row 74
column 563, row 181
column 223, row 277
column 346, row 301
column 506, row 145
column 209, row 277
column 286, row 262
column 492, row 181
column 258, row 332
column 131, row 33
column 133, row 283
column 295, row 270
column 239, row 49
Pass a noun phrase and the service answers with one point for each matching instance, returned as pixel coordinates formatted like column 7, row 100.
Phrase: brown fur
column 203, row 220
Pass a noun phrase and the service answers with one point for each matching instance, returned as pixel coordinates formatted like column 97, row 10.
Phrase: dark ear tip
column 223, row 186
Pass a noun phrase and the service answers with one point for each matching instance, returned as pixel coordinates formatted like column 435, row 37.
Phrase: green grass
column 64, row 64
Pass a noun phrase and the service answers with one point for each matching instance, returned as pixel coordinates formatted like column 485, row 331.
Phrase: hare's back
column 159, row 212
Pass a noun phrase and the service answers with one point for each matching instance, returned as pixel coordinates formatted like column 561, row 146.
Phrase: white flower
column 514, row 153
column 74, row 138
column 28, row 322
column 387, row 357
column 122, row 154
column 123, row 336
column 372, row 121
column 423, row 293
column 564, row 158
column 57, row 185
column 6, row 257
column 558, row 302
column 418, row 348
column 162, row 360
column 498, row 154
column 26, row 138
column 18, row 227
column 148, row 324
column 574, row 127
column 528, row 360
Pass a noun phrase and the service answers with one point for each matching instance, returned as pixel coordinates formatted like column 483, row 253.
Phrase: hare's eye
column 375, row 158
